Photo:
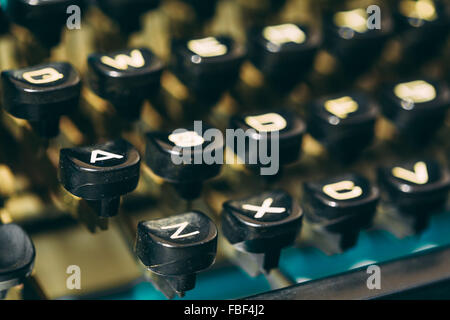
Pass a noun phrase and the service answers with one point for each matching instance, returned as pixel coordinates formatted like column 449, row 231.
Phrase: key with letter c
column 337, row 208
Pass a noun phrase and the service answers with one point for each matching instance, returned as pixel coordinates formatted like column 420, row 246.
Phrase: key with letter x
column 260, row 226
column 263, row 209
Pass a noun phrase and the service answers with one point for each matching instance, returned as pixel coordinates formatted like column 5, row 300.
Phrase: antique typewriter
column 347, row 101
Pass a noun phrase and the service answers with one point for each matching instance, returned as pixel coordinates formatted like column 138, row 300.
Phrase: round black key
column 283, row 53
column 422, row 27
column 343, row 123
column 125, row 78
column 342, row 205
column 16, row 256
column 417, row 108
column 207, row 66
column 288, row 126
column 343, row 196
column 419, row 186
column 127, row 13
column 179, row 158
column 262, row 224
column 41, row 94
column 177, row 247
column 349, row 36
column 44, row 18
column 100, row 173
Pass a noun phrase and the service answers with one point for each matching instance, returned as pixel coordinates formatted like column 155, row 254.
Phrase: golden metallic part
column 354, row 19
column 97, row 103
column 53, row 156
column 5, row 217
column 284, row 33
column 123, row 61
column 325, row 63
column 207, row 47
column 251, row 75
column 385, row 129
column 311, row 146
column 150, row 116
column 157, row 179
column 418, row 176
column 232, row 160
column 42, row 76
column 334, row 190
column 7, row 181
column 8, row 48
column 104, row 260
column 421, row 9
column 15, row 293
column 17, row 127
column 71, row 131
column 24, row 206
column 418, row 91
column 341, row 107
column 267, row 122
column 172, row 85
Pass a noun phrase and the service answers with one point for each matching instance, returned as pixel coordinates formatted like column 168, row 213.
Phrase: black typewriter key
column 127, row 13
column 422, row 27
column 41, row 94
column 417, row 108
column 207, row 66
column 180, row 157
column 337, row 209
column 178, row 247
column 125, row 78
column 349, row 37
column 44, row 18
column 260, row 128
column 16, row 257
column 262, row 225
column 100, row 174
column 343, row 124
column 284, row 53
column 415, row 189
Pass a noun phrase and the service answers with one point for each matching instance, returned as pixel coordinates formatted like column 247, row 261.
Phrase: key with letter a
column 337, row 209
column 100, row 174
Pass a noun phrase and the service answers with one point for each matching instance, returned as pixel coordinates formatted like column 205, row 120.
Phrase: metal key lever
column 80, row 210
column 256, row 264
